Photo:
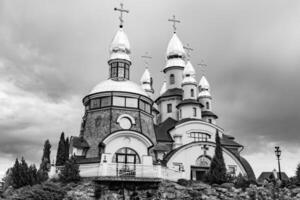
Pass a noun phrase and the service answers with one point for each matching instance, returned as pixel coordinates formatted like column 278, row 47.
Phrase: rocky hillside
column 89, row 190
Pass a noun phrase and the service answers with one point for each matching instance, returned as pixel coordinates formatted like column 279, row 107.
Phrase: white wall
column 163, row 109
column 178, row 77
column 194, row 151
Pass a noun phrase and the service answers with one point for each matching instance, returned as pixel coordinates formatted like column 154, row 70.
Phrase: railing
column 127, row 170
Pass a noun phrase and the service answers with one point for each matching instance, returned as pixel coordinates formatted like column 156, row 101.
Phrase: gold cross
column 146, row 56
column 188, row 50
column 174, row 20
column 121, row 10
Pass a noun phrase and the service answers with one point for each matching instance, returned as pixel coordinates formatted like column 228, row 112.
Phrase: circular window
column 125, row 123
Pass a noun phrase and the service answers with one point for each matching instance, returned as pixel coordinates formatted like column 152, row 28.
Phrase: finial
column 188, row 50
column 146, row 56
column 121, row 10
column 174, row 20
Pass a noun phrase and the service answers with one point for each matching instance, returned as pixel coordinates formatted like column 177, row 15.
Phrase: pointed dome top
column 120, row 47
column 175, row 47
column 204, row 85
column 204, row 93
column 189, row 70
column 163, row 88
column 146, row 77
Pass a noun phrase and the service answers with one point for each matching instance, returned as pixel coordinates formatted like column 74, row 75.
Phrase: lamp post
column 278, row 154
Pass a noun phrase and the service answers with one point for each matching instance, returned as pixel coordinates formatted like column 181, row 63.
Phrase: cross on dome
column 174, row 20
column 203, row 65
column 188, row 50
column 121, row 10
column 146, row 57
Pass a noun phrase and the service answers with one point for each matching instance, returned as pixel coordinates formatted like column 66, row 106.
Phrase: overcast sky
column 53, row 52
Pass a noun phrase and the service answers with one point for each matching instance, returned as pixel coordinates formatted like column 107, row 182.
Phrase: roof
column 189, row 69
column 175, row 47
column 79, row 142
column 171, row 92
column 227, row 141
column 204, row 83
column 189, row 101
column 146, row 77
column 208, row 113
column 162, row 130
column 120, row 47
column 119, row 86
column 162, row 147
column 81, row 160
column 243, row 161
column 186, row 120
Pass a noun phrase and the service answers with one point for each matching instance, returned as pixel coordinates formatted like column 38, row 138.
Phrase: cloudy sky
column 53, row 52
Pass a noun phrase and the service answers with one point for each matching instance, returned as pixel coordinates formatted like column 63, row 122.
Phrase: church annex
column 125, row 132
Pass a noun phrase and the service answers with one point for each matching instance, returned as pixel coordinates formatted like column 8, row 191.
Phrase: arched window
column 207, row 105
column 172, row 79
column 127, row 156
column 192, row 93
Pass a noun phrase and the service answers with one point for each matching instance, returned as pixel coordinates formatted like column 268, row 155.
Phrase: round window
column 125, row 123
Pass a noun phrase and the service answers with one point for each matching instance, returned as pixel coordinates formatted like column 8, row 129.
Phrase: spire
column 189, row 70
column 175, row 47
column 163, row 88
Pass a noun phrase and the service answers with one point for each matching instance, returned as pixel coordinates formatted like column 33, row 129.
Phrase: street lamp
column 278, row 154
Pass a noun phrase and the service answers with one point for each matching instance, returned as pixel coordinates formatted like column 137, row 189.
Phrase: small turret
column 146, row 82
column 189, row 107
column 205, row 99
column 163, row 88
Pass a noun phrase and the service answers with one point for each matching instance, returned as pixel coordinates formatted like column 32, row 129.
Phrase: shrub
column 183, row 182
column 241, row 182
column 70, row 171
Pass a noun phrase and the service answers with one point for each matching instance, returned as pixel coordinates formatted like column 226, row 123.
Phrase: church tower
column 189, row 107
column 205, row 99
column 175, row 63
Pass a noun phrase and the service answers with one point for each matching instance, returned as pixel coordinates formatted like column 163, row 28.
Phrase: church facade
column 125, row 131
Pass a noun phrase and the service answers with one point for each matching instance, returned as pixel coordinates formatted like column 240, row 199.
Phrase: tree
column 42, row 173
column 61, row 151
column 70, row 171
column 45, row 164
column 217, row 170
column 67, row 145
column 32, row 174
column 298, row 174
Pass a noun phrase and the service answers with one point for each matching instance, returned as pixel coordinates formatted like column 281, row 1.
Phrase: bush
column 70, row 171
column 241, row 182
column 183, row 182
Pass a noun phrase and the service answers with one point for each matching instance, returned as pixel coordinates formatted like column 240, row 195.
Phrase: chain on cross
column 188, row 50
column 174, row 20
column 146, row 57
column 121, row 10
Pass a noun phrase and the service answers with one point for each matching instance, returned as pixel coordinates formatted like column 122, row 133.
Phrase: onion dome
column 163, row 88
column 189, row 74
column 203, row 84
column 175, row 53
column 120, row 47
column 118, row 86
column 175, row 47
column 189, row 70
column 146, row 77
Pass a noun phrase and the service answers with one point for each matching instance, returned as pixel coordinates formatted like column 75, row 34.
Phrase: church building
column 126, row 132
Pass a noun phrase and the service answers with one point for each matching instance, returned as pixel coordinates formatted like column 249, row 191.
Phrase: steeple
column 119, row 51
column 203, row 84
